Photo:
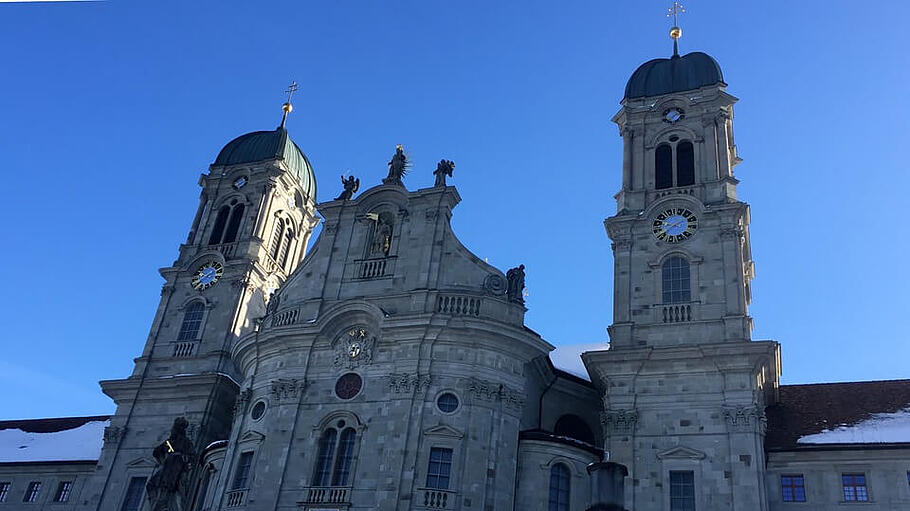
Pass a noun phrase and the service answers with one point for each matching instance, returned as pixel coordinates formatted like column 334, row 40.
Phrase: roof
column 806, row 416
column 676, row 74
column 52, row 440
column 269, row 145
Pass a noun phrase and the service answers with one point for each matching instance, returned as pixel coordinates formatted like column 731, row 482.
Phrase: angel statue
column 443, row 168
column 398, row 167
column 351, row 185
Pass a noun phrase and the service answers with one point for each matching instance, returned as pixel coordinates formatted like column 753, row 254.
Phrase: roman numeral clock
column 674, row 225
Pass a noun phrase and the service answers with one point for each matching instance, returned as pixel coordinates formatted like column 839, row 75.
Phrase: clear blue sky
column 109, row 112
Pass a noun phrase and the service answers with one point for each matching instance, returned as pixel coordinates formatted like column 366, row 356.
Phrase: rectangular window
column 792, row 488
column 682, row 490
column 4, row 491
column 242, row 475
column 134, row 493
column 31, row 494
column 63, row 491
column 440, row 468
column 855, row 487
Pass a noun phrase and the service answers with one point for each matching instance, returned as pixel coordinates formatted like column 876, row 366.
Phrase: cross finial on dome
column 288, row 107
column 675, row 32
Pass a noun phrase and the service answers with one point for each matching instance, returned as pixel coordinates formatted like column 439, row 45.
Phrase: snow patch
column 879, row 428
column 568, row 357
column 78, row 444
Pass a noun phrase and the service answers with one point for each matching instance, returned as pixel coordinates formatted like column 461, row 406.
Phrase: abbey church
column 384, row 366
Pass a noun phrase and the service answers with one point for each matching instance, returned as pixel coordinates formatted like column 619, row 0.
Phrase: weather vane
column 288, row 107
column 675, row 32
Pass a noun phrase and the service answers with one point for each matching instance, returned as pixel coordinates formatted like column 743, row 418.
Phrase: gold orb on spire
column 675, row 33
column 287, row 108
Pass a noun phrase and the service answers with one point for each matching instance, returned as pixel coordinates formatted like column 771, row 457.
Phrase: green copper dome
column 676, row 74
column 270, row 145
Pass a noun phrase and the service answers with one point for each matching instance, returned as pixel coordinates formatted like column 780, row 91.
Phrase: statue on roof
column 443, row 168
column 516, row 279
column 167, row 488
column 351, row 185
column 398, row 167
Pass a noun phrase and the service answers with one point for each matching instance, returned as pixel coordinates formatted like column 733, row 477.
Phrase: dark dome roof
column 676, row 74
column 270, row 145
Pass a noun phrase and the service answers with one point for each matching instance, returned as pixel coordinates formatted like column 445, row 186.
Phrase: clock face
column 673, row 114
column 240, row 182
column 674, row 225
column 207, row 275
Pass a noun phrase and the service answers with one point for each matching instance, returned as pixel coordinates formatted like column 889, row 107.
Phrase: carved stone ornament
column 354, row 347
column 431, row 215
column 113, row 434
column 495, row 285
column 167, row 290
column 619, row 421
column 404, row 383
column 243, row 399
column 491, row 391
column 516, row 284
column 748, row 418
column 731, row 233
column 287, row 389
column 330, row 228
column 621, row 245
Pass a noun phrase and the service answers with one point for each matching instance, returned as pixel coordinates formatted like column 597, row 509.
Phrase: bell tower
column 684, row 386
column 255, row 217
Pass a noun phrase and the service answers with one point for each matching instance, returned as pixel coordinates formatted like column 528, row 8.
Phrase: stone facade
column 389, row 368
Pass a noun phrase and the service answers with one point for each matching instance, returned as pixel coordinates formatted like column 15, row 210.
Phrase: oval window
column 348, row 385
column 258, row 410
column 447, row 402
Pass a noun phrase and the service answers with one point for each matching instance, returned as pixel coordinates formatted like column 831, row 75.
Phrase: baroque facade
column 390, row 368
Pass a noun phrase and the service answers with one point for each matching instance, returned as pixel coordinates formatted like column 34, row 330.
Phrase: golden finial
column 288, row 107
column 675, row 32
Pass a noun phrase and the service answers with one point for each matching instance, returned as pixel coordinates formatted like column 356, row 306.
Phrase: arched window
column 286, row 248
column 220, row 221
column 573, row 426
column 663, row 167
column 559, row 487
column 230, row 235
column 685, row 164
column 276, row 238
column 192, row 320
column 676, row 282
column 336, row 455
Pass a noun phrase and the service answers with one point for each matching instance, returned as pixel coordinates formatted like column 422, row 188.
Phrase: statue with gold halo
column 398, row 167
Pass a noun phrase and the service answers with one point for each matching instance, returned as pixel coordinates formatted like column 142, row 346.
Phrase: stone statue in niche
column 272, row 305
column 167, row 488
column 351, row 185
column 398, row 167
column 516, row 278
column 382, row 235
column 443, row 168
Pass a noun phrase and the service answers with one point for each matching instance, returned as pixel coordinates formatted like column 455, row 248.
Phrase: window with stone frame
column 242, row 472
column 135, row 492
column 192, row 322
column 792, row 488
column 63, row 491
column 335, row 456
column 4, row 490
column 220, row 222
column 31, row 494
column 854, row 486
column 682, row 490
column 439, row 469
column 560, row 486
column 676, row 282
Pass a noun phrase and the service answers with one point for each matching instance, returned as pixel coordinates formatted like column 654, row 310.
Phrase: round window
column 348, row 385
column 447, row 402
column 258, row 410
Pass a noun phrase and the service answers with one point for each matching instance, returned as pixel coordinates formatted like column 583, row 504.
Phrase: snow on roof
column 52, row 440
column 567, row 357
column 879, row 428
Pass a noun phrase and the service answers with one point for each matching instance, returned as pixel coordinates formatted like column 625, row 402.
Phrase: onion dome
column 270, row 145
column 676, row 74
